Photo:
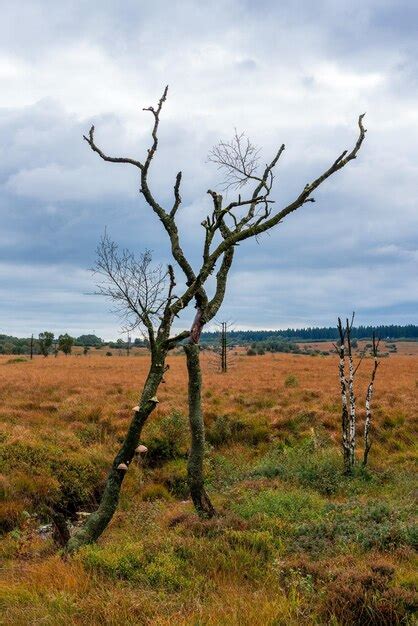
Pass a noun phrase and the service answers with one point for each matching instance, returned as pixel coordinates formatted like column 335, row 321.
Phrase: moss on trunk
column 199, row 496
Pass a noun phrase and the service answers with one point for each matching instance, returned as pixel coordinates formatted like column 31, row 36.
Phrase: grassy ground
column 295, row 541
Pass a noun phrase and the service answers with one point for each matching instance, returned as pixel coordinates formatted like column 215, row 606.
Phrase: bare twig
column 238, row 159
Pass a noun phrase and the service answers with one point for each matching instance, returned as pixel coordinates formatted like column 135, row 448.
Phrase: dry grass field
column 295, row 542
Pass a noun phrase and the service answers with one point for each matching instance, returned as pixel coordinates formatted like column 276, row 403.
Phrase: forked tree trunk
column 200, row 498
column 99, row 520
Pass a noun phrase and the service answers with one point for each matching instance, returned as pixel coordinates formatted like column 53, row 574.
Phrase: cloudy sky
column 296, row 72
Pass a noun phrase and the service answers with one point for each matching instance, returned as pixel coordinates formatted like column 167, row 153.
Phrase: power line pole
column 128, row 346
column 224, row 363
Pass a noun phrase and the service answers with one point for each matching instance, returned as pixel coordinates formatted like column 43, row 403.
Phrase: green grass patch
column 283, row 505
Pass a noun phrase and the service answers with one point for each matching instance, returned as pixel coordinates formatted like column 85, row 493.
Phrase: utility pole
column 31, row 347
column 224, row 363
column 128, row 346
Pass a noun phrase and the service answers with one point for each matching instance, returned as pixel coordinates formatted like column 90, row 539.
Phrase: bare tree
column 134, row 285
column 348, row 401
column 225, row 227
column 348, row 398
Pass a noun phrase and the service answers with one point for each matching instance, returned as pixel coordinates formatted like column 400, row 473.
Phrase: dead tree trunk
column 348, row 421
column 198, row 493
column 369, row 395
column 352, row 413
column 345, row 430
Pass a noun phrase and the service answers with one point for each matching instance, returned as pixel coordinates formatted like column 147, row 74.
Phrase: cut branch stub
column 141, row 449
column 122, row 467
column 154, row 399
column 135, row 409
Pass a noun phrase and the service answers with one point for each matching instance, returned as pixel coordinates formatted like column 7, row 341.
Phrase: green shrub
column 225, row 429
column 170, row 442
column 96, row 430
column 157, row 566
column 222, row 471
column 304, row 466
column 167, row 570
column 173, row 475
column 291, row 381
column 220, row 431
column 374, row 525
column 161, row 449
column 258, row 541
column 16, row 360
column 126, row 562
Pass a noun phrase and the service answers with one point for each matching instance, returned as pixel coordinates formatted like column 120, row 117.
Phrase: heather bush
column 41, row 477
column 173, row 475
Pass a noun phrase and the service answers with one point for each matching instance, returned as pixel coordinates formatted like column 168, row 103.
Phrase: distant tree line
column 270, row 340
column 247, row 337
column 46, row 343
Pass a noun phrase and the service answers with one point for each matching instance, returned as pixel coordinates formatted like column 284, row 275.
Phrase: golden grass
column 223, row 572
column 55, row 398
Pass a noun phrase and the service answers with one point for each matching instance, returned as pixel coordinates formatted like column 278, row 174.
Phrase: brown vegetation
column 295, row 543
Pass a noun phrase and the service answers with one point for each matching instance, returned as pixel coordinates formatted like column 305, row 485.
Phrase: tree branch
column 95, row 148
column 237, row 235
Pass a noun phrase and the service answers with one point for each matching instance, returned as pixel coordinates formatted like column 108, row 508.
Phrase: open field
column 295, row 542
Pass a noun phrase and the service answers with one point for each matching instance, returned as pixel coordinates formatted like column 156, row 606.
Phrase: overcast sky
column 289, row 71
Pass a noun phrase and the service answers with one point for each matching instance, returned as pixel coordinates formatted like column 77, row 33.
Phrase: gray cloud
column 296, row 72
